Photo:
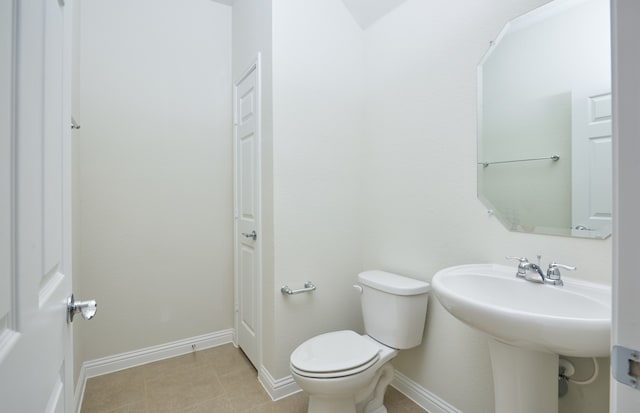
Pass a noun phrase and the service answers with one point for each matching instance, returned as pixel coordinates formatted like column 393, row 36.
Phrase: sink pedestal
column 538, row 321
column 524, row 380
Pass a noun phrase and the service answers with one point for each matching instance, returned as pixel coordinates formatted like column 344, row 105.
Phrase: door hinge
column 625, row 363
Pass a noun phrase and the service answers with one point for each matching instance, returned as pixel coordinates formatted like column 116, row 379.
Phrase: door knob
column 252, row 235
column 86, row 308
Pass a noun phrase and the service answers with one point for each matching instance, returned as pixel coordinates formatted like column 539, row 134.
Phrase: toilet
column 344, row 372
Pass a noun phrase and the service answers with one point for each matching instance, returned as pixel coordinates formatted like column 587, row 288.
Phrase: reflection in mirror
column 544, row 121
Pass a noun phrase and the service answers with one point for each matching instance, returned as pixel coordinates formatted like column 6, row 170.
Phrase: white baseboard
column 277, row 388
column 79, row 393
column 135, row 358
column 286, row 386
column 421, row 396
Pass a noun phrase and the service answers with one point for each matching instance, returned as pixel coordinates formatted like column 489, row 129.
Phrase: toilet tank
column 394, row 308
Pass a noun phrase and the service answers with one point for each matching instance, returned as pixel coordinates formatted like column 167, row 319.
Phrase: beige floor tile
column 181, row 388
column 298, row 403
column 217, row 380
column 175, row 364
column 217, row 405
column 112, row 391
column 140, row 407
column 392, row 396
column 402, row 408
column 397, row 402
column 411, row 407
column 246, row 394
column 229, row 360
column 238, row 377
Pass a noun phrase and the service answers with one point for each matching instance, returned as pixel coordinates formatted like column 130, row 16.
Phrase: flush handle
column 86, row 308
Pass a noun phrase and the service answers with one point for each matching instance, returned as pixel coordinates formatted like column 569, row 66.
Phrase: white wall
column 153, row 174
column 317, row 141
column 421, row 212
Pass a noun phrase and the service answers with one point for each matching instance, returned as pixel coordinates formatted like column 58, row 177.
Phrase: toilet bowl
column 345, row 372
column 337, row 366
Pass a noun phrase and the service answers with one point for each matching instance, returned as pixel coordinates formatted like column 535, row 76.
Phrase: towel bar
column 308, row 287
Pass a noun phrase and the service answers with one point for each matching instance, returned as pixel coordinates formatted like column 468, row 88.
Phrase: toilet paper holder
column 308, row 287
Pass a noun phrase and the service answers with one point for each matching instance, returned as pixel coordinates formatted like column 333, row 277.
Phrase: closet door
column 247, row 212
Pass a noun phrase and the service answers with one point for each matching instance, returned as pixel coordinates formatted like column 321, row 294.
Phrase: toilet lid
column 334, row 352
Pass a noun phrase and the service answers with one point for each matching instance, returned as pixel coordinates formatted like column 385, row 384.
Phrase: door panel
column 35, row 355
column 591, row 161
column 247, row 298
column 246, row 201
column 247, row 213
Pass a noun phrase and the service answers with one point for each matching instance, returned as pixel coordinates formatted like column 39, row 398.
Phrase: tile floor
column 216, row 380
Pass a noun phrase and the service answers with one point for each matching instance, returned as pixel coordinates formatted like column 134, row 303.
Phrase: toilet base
column 371, row 399
column 319, row 404
column 333, row 405
column 367, row 400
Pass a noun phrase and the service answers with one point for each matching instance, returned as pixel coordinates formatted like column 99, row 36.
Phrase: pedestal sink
column 528, row 325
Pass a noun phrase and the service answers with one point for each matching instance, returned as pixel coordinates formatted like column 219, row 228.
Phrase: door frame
column 254, row 66
column 626, row 222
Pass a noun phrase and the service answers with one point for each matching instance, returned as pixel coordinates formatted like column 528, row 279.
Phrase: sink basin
column 528, row 326
column 573, row 320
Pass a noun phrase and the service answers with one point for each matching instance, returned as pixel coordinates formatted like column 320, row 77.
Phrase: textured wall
column 318, row 136
column 153, row 175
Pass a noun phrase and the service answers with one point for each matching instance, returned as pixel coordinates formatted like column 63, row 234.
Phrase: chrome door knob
column 86, row 308
column 252, row 235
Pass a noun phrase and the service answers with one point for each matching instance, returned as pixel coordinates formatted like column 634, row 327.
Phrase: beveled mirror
column 544, row 121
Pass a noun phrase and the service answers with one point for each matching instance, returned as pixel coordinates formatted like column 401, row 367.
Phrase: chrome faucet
column 552, row 276
column 553, row 272
column 523, row 266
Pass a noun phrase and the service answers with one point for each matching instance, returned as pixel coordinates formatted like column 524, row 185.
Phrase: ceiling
column 365, row 12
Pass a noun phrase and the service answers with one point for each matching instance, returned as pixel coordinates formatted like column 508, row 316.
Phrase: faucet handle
column 523, row 265
column 553, row 272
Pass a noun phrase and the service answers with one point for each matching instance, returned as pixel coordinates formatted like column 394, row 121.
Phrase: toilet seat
column 335, row 354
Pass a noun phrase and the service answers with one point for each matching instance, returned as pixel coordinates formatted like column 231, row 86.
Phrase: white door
column 247, row 212
column 35, row 339
column 625, row 391
column 591, row 162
